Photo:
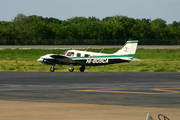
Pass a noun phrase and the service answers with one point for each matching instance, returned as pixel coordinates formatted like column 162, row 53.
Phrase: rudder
column 128, row 49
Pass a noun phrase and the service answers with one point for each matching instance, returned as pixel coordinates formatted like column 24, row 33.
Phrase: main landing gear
column 71, row 69
column 82, row 68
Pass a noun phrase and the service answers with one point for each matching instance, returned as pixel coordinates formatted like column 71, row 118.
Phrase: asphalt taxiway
column 127, row 89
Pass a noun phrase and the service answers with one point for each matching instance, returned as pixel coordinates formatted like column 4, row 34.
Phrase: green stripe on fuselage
column 108, row 56
column 107, row 59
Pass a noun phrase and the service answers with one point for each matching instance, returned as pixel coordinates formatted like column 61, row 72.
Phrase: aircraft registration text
column 97, row 60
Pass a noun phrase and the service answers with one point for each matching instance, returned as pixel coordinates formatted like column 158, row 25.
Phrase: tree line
column 80, row 28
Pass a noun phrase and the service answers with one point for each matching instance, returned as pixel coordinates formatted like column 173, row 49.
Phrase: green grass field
column 156, row 60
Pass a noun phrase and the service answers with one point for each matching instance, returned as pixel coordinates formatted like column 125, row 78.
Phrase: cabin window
column 71, row 54
column 86, row 55
column 78, row 54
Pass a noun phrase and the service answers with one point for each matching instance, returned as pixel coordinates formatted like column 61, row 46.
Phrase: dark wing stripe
column 64, row 59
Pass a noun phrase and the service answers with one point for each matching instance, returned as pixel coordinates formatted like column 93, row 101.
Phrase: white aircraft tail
column 129, row 49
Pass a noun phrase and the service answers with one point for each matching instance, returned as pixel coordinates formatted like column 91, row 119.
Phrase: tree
column 77, row 20
column 158, row 28
column 20, row 22
column 141, row 29
column 115, row 27
column 20, row 18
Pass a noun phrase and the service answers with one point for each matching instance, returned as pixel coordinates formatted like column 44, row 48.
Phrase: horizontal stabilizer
column 134, row 59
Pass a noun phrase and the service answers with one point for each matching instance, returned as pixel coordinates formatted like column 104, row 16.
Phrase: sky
column 167, row 10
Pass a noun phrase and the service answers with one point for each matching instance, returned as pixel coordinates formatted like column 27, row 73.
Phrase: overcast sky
column 168, row 10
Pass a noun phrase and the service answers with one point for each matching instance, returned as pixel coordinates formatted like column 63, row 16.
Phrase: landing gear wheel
column 71, row 69
column 82, row 69
column 52, row 69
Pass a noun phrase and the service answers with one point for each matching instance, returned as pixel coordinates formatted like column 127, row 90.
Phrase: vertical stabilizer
column 128, row 49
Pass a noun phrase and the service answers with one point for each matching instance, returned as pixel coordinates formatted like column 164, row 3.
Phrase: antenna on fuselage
column 87, row 48
column 101, row 50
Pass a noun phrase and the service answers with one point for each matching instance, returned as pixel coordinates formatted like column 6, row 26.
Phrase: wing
column 64, row 59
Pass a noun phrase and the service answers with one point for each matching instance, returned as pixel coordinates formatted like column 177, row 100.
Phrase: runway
column 126, row 88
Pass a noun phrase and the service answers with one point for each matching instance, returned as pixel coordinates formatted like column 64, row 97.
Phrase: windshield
column 64, row 53
column 71, row 54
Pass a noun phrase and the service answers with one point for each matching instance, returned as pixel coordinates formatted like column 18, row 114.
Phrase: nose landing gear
column 71, row 69
column 52, row 69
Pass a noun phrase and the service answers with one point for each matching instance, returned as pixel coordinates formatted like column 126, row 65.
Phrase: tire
column 71, row 69
column 82, row 69
column 52, row 69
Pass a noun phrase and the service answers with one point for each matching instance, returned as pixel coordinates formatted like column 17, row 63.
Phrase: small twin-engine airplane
column 84, row 58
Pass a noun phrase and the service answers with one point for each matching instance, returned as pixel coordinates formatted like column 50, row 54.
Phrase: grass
column 155, row 60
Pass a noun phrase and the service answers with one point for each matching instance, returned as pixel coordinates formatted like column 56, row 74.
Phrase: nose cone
column 40, row 60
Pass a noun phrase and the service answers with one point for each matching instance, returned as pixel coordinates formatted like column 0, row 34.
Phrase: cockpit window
column 71, row 54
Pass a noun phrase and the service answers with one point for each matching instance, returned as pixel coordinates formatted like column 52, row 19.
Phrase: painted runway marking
column 135, row 90
column 110, row 90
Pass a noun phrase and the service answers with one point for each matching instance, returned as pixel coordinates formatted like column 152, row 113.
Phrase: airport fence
column 87, row 42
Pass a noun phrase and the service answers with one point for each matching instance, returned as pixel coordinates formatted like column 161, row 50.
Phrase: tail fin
column 128, row 49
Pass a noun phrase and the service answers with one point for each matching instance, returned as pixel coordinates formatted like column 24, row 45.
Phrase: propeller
column 43, row 60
